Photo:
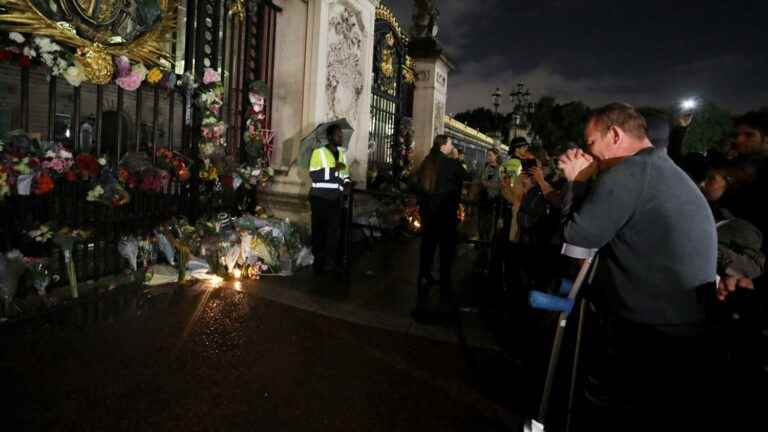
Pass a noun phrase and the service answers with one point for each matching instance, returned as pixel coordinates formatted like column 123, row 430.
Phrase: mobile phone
column 528, row 164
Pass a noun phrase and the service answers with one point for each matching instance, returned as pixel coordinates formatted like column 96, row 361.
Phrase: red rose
column 24, row 61
column 44, row 184
column 184, row 174
column 5, row 55
column 88, row 165
column 70, row 175
column 228, row 181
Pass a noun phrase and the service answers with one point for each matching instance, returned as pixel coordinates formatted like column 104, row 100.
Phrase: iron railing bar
column 52, row 109
column 75, row 124
column 137, row 122
column 99, row 117
column 24, row 103
column 155, row 115
column 120, row 124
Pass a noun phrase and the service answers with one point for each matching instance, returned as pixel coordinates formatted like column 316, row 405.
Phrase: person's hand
column 340, row 166
column 685, row 119
column 577, row 165
column 729, row 284
column 536, row 173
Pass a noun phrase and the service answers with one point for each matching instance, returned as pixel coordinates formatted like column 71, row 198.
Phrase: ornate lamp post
column 496, row 100
column 522, row 107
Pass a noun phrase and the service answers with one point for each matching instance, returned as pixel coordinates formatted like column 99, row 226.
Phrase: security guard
column 330, row 181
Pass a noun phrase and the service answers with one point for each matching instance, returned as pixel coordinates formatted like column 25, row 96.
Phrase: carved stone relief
column 346, row 43
column 439, row 115
column 440, row 79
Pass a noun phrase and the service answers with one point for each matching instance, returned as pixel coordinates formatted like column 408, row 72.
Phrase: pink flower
column 58, row 165
column 219, row 129
column 123, row 66
column 257, row 101
column 215, row 109
column 130, row 82
column 164, row 178
column 210, row 76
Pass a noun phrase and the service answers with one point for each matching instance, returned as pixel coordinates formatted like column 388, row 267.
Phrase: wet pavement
column 220, row 359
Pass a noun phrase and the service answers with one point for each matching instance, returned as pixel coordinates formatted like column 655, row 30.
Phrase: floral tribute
column 65, row 238
column 29, row 50
column 257, row 139
column 213, row 130
column 31, row 167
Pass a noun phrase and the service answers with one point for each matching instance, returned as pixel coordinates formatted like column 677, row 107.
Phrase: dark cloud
column 649, row 52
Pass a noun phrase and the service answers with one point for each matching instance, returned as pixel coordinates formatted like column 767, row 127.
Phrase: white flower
column 74, row 75
column 62, row 64
column 63, row 154
column 46, row 44
column 50, row 154
column 29, row 52
column 95, row 193
column 16, row 37
column 14, row 254
column 47, row 59
column 102, row 161
column 140, row 70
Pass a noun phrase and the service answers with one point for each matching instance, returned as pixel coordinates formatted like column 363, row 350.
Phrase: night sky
column 652, row 53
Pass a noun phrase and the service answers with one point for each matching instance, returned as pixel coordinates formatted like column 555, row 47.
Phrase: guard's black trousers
column 439, row 222
column 326, row 231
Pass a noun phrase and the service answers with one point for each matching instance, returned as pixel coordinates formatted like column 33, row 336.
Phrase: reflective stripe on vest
column 326, row 167
column 327, row 186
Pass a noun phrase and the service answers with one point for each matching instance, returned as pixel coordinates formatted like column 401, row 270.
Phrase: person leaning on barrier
column 438, row 182
column 329, row 173
column 655, row 277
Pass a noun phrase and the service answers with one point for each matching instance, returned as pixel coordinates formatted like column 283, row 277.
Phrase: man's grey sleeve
column 591, row 219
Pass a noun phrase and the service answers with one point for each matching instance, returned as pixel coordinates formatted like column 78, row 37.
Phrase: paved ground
column 203, row 359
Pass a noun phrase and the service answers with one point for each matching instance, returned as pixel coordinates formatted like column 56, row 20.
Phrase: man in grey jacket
column 656, row 273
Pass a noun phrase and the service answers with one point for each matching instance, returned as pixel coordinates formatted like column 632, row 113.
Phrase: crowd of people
column 679, row 290
column 678, row 298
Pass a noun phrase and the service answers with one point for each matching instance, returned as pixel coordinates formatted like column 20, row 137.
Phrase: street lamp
column 496, row 100
column 521, row 104
column 687, row 108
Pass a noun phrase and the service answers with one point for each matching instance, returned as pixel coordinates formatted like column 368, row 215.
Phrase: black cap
column 516, row 143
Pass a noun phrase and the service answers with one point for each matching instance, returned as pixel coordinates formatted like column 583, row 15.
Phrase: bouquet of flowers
column 165, row 247
column 128, row 247
column 88, row 165
column 41, row 276
column 12, row 266
column 107, row 190
column 184, row 237
column 5, row 184
column 147, row 254
column 66, row 238
column 58, row 161
column 173, row 162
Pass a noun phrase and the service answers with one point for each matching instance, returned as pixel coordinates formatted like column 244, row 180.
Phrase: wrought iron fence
column 107, row 120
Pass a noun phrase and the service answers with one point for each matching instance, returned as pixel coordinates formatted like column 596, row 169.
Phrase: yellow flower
column 155, row 75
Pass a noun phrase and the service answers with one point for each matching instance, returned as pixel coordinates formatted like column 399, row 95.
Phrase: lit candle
column 236, row 273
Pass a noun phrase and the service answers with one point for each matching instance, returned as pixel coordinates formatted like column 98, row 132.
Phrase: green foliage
column 557, row 125
column 711, row 125
column 484, row 120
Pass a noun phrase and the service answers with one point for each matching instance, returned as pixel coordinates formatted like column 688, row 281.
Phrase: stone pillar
column 323, row 64
column 429, row 99
column 338, row 77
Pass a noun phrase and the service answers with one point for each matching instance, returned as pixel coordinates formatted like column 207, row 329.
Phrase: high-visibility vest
column 323, row 172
